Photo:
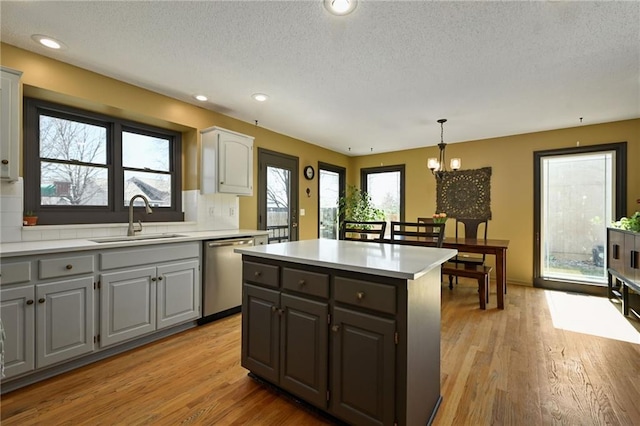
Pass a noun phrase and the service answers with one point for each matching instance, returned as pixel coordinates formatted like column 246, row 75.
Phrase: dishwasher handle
column 236, row 242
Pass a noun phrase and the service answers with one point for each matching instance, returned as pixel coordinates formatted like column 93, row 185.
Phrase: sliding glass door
column 579, row 192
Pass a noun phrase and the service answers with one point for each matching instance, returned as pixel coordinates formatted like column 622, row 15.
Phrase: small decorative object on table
column 439, row 218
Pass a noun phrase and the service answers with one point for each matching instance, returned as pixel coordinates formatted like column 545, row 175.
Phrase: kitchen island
column 352, row 328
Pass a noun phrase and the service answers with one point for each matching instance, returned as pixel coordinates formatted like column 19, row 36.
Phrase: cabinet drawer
column 65, row 266
column 260, row 273
column 306, row 282
column 365, row 294
column 13, row 273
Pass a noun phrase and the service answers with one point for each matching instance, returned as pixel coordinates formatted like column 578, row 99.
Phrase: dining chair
column 471, row 228
column 431, row 234
column 372, row 231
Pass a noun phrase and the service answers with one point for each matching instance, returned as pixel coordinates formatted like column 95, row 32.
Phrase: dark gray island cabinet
column 352, row 328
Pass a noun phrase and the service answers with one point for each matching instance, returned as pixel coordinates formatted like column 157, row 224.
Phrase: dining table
column 492, row 247
column 497, row 248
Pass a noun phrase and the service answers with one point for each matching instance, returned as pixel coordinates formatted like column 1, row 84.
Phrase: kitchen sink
column 135, row 238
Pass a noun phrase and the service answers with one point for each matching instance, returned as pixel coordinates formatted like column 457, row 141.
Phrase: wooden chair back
column 363, row 231
column 471, row 228
column 432, row 234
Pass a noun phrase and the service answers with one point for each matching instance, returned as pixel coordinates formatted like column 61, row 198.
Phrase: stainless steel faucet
column 131, row 231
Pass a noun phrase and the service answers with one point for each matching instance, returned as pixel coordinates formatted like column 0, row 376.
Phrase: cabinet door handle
column 5, row 161
column 616, row 251
column 335, row 328
column 274, row 309
column 153, row 278
column 301, row 283
column 360, row 295
column 69, row 266
column 41, row 300
column 30, row 302
column 160, row 278
column 257, row 274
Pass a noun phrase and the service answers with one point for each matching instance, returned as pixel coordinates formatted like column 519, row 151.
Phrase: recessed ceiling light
column 201, row 98
column 340, row 7
column 49, row 42
column 260, row 97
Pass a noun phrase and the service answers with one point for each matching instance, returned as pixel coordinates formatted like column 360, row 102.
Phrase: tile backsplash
column 202, row 213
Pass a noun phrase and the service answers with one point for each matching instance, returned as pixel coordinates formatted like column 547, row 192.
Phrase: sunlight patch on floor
column 592, row 315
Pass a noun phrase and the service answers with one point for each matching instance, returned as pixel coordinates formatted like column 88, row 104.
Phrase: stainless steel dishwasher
column 222, row 278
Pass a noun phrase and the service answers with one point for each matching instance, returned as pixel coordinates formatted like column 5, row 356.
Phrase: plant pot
column 29, row 220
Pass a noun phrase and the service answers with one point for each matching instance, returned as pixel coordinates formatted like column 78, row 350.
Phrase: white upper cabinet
column 226, row 162
column 9, row 124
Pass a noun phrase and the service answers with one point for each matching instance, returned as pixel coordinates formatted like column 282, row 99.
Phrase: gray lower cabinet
column 327, row 339
column 47, row 323
column 363, row 373
column 55, row 307
column 17, row 310
column 138, row 301
column 64, row 320
column 285, row 341
column 127, row 305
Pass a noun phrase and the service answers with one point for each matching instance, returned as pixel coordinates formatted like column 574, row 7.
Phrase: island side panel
column 423, row 348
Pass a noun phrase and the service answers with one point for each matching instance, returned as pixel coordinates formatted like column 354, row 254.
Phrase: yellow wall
column 511, row 158
column 45, row 78
column 511, row 162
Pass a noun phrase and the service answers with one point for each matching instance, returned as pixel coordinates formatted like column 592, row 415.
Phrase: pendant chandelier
column 438, row 165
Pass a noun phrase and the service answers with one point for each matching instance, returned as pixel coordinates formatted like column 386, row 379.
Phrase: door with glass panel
column 331, row 186
column 278, row 195
column 578, row 193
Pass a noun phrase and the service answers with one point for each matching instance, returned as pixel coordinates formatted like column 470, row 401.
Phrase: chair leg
column 450, row 282
column 482, row 292
column 488, row 287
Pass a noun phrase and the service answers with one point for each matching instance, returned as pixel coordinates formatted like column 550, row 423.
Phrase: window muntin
column 78, row 164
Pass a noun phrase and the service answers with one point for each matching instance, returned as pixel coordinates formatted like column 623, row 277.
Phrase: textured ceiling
column 373, row 81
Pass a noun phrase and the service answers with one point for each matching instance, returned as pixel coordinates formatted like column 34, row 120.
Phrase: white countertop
column 55, row 246
column 389, row 260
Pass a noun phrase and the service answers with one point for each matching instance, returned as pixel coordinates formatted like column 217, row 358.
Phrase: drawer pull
column 257, row 274
column 30, row 302
column 335, row 328
column 5, row 161
column 301, row 283
column 360, row 295
column 69, row 266
column 41, row 300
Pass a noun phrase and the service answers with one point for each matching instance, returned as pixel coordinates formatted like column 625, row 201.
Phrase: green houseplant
column 629, row 223
column 357, row 205
column 29, row 218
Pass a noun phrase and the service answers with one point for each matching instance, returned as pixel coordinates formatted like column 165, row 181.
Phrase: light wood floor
column 510, row 367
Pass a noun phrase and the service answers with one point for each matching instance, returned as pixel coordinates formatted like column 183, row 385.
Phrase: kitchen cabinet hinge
column 395, row 337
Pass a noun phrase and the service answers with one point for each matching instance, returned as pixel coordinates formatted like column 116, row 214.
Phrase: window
column 385, row 185
column 82, row 167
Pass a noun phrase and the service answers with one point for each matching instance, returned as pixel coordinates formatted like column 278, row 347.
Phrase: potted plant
column 629, row 223
column 29, row 218
column 357, row 205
